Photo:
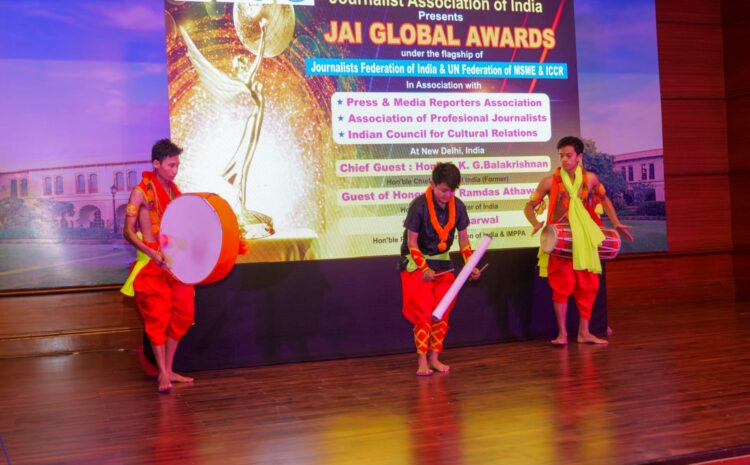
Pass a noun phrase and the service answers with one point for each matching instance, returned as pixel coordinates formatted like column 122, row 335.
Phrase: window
column 132, row 180
column 97, row 222
column 630, row 173
column 120, row 181
column 47, row 186
column 24, row 187
column 93, row 184
column 58, row 185
column 14, row 188
column 644, row 173
column 624, row 174
column 80, row 184
column 651, row 171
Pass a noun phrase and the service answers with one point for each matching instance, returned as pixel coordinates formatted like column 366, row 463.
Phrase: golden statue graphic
column 265, row 30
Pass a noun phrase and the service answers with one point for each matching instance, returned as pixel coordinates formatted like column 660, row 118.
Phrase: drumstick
column 444, row 272
column 461, row 279
column 484, row 267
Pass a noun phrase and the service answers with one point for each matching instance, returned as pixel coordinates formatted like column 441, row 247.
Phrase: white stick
column 461, row 279
column 444, row 272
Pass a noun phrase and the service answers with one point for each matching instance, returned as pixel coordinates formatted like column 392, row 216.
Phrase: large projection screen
column 336, row 126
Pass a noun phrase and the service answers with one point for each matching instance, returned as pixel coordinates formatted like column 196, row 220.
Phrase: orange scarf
column 157, row 198
column 442, row 231
column 557, row 188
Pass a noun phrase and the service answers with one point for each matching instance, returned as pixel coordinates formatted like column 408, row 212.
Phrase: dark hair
column 164, row 148
column 573, row 141
column 447, row 173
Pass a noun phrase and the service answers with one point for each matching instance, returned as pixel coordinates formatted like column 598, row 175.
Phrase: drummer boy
column 573, row 195
column 167, row 305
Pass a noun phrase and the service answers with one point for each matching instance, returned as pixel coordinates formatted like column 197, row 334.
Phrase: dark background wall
column 704, row 75
column 736, row 35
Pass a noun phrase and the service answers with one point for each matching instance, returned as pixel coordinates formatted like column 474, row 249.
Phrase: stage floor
column 672, row 383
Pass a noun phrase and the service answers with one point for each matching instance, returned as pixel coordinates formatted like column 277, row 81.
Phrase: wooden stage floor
column 673, row 382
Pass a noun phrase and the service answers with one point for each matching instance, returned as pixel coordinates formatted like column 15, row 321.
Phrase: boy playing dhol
column 573, row 195
column 426, row 275
column 166, row 304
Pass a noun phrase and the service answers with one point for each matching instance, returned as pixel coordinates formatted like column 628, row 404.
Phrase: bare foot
column 423, row 368
column 439, row 366
column 178, row 378
column 591, row 339
column 560, row 341
column 164, row 385
column 609, row 331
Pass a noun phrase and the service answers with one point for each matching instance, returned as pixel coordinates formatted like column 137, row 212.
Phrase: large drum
column 557, row 240
column 199, row 238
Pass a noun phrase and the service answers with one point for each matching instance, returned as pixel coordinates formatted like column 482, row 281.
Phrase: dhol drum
column 557, row 240
column 199, row 238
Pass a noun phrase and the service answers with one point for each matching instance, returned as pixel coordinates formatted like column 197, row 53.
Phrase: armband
column 419, row 259
column 466, row 253
column 131, row 210
column 536, row 198
column 601, row 191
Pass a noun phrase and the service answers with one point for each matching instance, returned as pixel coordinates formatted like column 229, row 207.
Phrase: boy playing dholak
column 573, row 195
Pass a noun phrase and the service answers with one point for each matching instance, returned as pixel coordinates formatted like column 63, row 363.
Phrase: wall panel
column 695, row 137
column 688, row 11
column 690, row 60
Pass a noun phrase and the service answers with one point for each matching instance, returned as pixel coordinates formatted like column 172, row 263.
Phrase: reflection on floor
column 672, row 384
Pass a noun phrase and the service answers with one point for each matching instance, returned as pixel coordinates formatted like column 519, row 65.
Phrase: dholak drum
column 199, row 238
column 557, row 240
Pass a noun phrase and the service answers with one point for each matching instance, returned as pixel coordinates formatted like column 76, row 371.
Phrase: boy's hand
column 158, row 257
column 537, row 227
column 428, row 274
column 625, row 231
column 475, row 274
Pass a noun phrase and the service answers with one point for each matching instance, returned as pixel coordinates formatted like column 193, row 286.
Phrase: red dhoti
column 420, row 299
column 564, row 281
column 166, row 304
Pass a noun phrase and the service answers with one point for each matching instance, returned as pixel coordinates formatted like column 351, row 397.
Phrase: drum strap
column 157, row 198
column 543, row 257
column 554, row 193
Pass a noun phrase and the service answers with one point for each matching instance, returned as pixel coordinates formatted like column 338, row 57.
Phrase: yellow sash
column 586, row 234
column 141, row 260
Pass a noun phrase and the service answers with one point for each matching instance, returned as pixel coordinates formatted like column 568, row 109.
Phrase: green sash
column 412, row 266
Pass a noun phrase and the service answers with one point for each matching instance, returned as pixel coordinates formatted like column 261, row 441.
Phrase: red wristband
column 419, row 259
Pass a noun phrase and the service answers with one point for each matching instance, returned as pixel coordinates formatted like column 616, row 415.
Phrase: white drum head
column 191, row 230
column 548, row 238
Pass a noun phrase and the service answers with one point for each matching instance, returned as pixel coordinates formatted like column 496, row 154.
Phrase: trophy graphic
column 265, row 30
